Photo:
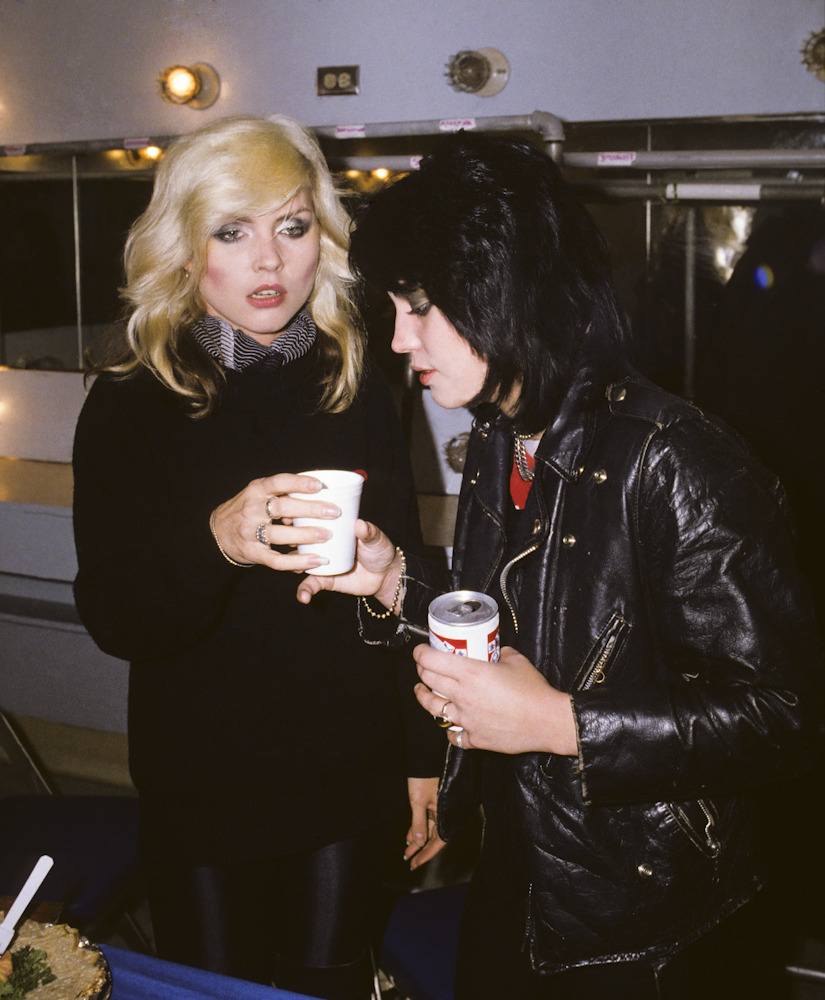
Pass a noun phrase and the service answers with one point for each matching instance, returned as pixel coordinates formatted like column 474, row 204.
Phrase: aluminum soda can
column 465, row 622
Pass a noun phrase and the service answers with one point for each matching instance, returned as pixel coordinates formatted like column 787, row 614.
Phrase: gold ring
column 269, row 513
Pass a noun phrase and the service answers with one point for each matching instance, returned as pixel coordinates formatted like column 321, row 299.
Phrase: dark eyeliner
column 227, row 234
column 295, row 227
column 419, row 304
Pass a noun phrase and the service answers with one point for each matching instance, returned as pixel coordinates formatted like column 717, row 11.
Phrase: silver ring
column 269, row 513
column 260, row 533
column 459, row 739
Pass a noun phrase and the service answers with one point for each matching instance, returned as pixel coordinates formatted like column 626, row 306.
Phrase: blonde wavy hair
column 235, row 167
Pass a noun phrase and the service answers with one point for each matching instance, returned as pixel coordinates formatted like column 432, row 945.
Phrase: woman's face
column 260, row 271
column 445, row 362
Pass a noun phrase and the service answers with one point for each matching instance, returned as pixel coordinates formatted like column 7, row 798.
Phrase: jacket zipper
column 595, row 674
column 705, row 839
column 503, row 581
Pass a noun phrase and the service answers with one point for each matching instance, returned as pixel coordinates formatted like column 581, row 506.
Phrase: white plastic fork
column 24, row 897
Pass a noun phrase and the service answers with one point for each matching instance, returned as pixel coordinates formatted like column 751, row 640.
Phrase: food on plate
column 52, row 962
column 23, row 970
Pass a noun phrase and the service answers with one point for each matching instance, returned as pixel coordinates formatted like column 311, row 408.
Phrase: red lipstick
column 267, row 296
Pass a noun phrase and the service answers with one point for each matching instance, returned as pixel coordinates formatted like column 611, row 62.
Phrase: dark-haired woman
column 659, row 658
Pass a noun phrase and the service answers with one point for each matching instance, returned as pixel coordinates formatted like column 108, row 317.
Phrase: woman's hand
column 375, row 574
column 507, row 706
column 423, row 842
column 261, row 515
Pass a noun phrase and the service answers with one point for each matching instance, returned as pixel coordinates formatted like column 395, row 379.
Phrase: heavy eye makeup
column 231, row 232
column 418, row 302
column 295, row 226
column 291, row 226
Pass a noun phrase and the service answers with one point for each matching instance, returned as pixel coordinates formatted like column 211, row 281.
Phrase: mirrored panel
column 66, row 219
column 676, row 229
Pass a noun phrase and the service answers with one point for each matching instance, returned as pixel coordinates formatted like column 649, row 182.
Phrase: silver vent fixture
column 484, row 72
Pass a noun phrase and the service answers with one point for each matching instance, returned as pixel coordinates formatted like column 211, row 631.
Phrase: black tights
column 303, row 922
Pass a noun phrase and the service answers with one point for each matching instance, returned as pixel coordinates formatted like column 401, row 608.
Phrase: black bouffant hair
column 496, row 239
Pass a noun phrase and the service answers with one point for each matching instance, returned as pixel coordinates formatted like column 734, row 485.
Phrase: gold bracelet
column 229, row 559
column 395, row 596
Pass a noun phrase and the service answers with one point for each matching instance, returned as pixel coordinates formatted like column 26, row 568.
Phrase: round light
column 180, row 84
column 196, row 86
column 484, row 72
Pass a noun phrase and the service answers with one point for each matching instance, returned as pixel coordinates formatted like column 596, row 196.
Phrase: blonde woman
column 276, row 757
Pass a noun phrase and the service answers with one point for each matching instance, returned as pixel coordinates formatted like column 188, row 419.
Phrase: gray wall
column 84, row 69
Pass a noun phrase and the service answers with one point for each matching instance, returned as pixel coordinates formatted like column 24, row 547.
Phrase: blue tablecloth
column 139, row 977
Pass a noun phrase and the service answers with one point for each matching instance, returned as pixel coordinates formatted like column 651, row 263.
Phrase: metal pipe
column 690, row 303
column 369, row 163
column 80, row 146
column 648, row 215
column 732, row 193
column 697, row 159
column 76, row 233
column 550, row 128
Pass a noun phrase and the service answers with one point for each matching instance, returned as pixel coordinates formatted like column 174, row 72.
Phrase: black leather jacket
column 657, row 584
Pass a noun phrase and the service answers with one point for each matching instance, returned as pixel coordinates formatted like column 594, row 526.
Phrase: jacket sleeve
column 150, row 581
column 424, row 741
column 732, row 697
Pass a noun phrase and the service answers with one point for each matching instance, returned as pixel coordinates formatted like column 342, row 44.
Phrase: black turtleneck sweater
column 257, row 726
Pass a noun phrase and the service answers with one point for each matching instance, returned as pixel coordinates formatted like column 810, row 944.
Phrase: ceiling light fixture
column 484, row 72
column 195, row 86
column 813, row 54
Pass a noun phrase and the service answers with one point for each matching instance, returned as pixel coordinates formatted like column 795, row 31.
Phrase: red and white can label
column 466, row 623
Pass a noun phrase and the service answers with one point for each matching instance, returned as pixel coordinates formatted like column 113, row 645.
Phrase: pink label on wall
column 456, row 124
column 350, row 131
column 616, row 159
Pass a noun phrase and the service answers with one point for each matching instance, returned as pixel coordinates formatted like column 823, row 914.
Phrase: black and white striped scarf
column 237, row 350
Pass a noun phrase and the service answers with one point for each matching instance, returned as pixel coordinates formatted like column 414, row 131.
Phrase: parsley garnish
column 29, row 970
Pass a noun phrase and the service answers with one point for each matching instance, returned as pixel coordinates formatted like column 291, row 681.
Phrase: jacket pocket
column 603, row 654
column 698, row 821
